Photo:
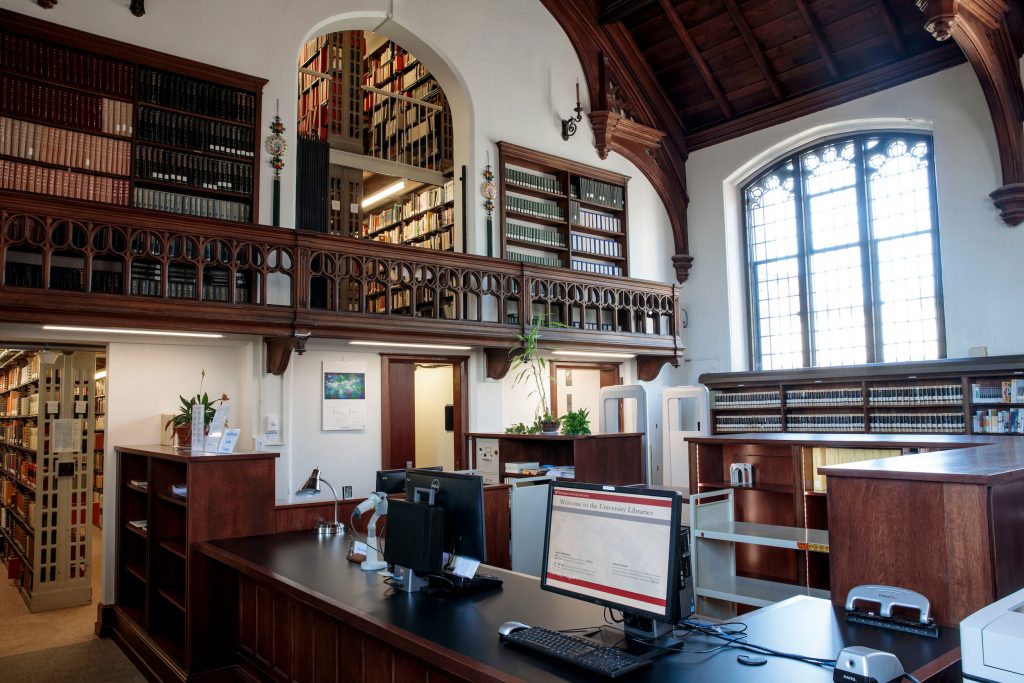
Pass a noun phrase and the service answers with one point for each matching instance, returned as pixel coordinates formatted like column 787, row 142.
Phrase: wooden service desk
column 291, row 607
column 616, row 459
column 947, row 524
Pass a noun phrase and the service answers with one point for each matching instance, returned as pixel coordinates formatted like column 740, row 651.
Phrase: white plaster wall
column 433, row 389
column 980, row 254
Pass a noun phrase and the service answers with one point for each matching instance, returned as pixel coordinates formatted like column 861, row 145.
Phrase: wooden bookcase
column 157, row 582
column 422, row 218
column 330, row 104
column 556, row 212
column 46, row 485
column 398, row 128
column 925, row 397
column 124, row 124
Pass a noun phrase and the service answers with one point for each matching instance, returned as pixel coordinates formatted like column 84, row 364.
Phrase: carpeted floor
column 89, row 662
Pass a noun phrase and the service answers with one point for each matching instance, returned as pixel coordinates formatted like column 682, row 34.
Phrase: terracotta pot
column 549, row 427
column 183, row 436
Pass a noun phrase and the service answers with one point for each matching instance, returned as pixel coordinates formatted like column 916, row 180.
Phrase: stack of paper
column 179, row 490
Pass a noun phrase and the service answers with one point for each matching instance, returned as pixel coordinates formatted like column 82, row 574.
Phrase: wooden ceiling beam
column 891, row 28
column 818, row 37
column 754, row 47
column 694, row 52
column 984, row 30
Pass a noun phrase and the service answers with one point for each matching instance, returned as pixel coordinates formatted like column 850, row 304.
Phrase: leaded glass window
column 842, row 246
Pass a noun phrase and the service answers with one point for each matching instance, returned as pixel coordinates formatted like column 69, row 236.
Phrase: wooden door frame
column 601, row 366
column 460, row 399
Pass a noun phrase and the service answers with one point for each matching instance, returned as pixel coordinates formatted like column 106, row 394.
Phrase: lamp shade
column 312, row 485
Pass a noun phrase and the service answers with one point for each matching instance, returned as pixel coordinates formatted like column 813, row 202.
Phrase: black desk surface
column 317, row 567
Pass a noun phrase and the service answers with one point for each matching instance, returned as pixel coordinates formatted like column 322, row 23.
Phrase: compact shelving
column 559, row 213
column 90, row 118
column 330, row 102
column 962, row 396
column 46, row 443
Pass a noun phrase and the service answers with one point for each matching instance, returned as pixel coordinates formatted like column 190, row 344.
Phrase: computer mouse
column 510, row 627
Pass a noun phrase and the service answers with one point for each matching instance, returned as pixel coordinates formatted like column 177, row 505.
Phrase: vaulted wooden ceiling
column 731, row 66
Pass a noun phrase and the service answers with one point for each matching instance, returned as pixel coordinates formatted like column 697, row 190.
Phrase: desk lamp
column 312, row 488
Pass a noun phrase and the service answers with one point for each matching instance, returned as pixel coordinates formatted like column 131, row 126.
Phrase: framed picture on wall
column 343, row 396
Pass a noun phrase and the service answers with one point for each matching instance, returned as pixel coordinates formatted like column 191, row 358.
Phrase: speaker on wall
column 449, row 418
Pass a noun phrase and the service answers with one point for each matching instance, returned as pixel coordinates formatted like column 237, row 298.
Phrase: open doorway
column 424, row 411
column 578, row 385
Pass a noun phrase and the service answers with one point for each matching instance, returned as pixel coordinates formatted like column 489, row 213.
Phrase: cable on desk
column 741, row 643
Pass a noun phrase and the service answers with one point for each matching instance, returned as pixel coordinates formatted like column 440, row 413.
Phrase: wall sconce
column 138, row 7
column 569, row 124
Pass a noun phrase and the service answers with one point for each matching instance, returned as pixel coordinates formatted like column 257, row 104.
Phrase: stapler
column 887, row 597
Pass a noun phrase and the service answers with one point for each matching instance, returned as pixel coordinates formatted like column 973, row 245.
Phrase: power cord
column 742, row 644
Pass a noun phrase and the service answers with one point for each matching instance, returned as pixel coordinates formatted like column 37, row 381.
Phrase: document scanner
column 992, row 641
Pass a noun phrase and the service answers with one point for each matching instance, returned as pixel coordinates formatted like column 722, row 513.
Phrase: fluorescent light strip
column 102, row 374
column 411, row 346
column 150, row 333
column 391, row 189
column 592, row 354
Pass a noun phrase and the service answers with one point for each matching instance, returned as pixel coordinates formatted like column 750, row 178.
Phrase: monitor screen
column 462, row 497
column 393, row 481
column 616, row 546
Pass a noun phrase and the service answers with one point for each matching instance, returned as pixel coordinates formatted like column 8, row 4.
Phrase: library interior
column 494, row 341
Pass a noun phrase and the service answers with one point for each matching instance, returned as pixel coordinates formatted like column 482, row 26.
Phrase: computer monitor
column 462, row 497
column 393, row 481
column 616, row 546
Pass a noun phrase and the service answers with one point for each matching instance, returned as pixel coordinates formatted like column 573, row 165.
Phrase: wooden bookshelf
column 330, row 103
column 45, row 506
column 951, row 396
column 156, row 575
column 556, row 212
column 124, row 124
column 424, row 218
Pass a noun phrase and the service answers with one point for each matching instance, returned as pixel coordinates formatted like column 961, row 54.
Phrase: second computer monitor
column 393, row 481
column 462, row 497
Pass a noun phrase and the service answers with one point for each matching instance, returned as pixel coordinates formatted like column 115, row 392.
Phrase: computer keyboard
column 582, row 652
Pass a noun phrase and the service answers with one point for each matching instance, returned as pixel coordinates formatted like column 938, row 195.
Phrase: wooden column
column 982, row 30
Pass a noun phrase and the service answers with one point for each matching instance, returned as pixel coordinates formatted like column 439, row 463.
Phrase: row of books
column 19, row 434
column 19, row 465
column 107, row 281
column 918, row 423
column 418, row 227
column 514, row 176
column 195, row 171
column 748, row 423
column 20, row 404
column 200, row 135
column 71, row 109
column 16, row 376
column 145, row 279
column 15, row 175
column 441, row 241
column 537, row 235
column 426, row 200
column 825, row 423
column 203, row 207
column 746, row 399
column 413, row 76
column 535, row 260
column 999, row 421
column 1008, row 391
column 66, row 278
column 23, row 274
column 534, row 208
column 823, row 397
column 944, row 393
column 822, row 457
column 593, row 219
column 599, row 246
column 598, row 193
column 381, row 70
column 600, row 268
column 70, row 67
column 200, row 97
column 63, row 147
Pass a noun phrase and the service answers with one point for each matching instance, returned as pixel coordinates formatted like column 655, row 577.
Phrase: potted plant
column 576, row 422
column 183, row 420
column 532, row 370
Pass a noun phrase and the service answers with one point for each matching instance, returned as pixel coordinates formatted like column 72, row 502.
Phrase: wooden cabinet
column 951, row 396
column 156, row 582
column 616, row 459
column 556, row 212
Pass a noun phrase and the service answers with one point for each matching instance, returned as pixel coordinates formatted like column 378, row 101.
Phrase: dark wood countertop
column 460, row 634
column 185, row 455
column 553, row 437
column 968, row 459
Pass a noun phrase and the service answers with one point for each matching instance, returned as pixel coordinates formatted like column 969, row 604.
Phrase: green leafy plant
column 576, row 422
column 184, row 416
column 532, row 368
column 523, row 428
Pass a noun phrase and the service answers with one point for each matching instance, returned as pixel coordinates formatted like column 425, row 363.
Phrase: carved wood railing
column 73, row 262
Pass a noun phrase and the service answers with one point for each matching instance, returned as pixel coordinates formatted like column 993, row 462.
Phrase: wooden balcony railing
column 77, row 263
